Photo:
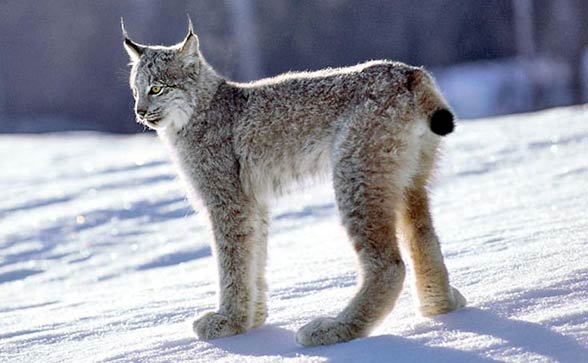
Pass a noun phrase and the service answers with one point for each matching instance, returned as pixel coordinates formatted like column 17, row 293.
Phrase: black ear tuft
column 442, row 122
column 190, row 26
column 122, row 28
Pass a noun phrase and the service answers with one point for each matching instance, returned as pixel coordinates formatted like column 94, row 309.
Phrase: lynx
column 375, row 127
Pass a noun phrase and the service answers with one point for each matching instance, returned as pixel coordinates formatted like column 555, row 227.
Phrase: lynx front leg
column 432, row 287
column 237, row 232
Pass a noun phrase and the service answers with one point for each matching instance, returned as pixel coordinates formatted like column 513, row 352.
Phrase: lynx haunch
column 375, row 127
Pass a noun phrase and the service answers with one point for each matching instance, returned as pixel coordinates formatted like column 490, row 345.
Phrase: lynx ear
column 133, row 49
column 189, row 50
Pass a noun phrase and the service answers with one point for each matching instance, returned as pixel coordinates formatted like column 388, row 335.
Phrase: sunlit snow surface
column 103, row 260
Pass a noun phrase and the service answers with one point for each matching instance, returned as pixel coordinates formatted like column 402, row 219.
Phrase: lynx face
column 158, row 103
column 161, row 80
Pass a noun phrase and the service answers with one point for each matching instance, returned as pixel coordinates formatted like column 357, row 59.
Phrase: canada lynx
column 375, row 126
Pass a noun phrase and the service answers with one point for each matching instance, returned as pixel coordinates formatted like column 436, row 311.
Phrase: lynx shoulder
column 374, row 127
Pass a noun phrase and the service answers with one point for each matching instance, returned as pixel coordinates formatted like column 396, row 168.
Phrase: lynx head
column 163, row 80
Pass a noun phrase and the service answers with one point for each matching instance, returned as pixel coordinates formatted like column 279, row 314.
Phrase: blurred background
column 63, row 67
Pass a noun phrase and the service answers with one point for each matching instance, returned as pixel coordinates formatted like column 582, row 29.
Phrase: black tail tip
column 442, row 122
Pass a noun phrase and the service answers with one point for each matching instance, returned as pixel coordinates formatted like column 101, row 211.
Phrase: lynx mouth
column 151, row 122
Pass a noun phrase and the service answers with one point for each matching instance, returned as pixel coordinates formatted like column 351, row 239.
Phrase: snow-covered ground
column 103, row 260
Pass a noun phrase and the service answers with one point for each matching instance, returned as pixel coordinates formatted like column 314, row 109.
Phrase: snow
column 103, row 260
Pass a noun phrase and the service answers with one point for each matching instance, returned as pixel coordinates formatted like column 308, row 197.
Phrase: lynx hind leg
column 239, row 247
column 368, row 181
column 431, row 280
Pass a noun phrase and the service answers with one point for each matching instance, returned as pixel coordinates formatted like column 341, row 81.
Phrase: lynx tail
column 431, row 102
column 441, row 122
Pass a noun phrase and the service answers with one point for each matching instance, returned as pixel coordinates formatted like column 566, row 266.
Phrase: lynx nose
column 141, row 112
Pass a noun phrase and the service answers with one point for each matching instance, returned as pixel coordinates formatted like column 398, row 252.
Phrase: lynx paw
column 323, row 331
column 213, row 325
column 455, row 301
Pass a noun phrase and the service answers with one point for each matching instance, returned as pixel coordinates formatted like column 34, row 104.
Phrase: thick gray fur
column 236, row 145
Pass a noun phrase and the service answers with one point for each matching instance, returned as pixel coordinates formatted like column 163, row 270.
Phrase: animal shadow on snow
column 532, row 337
column 528, row 336
column 276, row 341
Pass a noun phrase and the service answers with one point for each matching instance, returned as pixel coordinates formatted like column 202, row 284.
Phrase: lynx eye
column 155, row 90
